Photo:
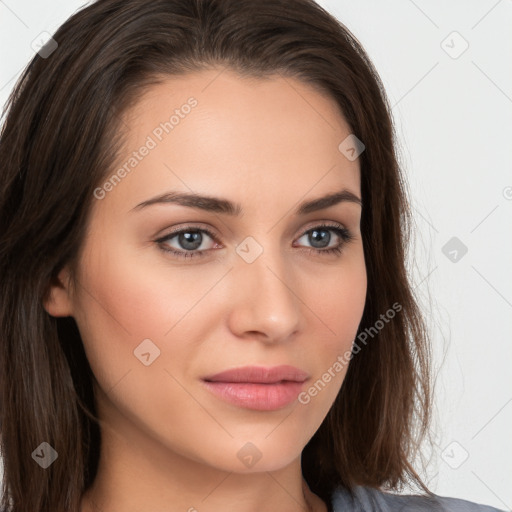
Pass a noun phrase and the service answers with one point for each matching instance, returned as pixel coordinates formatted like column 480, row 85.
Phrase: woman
column 204, row 298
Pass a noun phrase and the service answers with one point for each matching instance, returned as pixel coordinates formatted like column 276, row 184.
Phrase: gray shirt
column 368, row 499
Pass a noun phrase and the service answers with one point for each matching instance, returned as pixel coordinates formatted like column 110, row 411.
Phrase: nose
column 265, row 300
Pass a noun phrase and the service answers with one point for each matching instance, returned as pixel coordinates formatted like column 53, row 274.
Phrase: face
column 172, row 293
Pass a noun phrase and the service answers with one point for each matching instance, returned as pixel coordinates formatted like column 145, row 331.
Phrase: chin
column 245, row 457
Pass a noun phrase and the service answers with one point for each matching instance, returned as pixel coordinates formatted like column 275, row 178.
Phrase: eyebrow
column 226, row 207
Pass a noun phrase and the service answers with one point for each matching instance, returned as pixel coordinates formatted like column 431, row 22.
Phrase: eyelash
column 342, row 232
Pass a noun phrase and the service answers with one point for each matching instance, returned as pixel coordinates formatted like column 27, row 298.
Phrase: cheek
column 340, row 301
column 337, row 301
column 125, row 300
column 134, row 296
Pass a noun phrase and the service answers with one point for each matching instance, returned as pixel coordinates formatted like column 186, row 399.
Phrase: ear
column 57, row 300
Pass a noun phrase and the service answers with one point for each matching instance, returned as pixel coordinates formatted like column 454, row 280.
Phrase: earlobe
column 57, row 300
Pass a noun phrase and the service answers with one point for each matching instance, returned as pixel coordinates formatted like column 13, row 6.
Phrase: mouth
column 257, row 387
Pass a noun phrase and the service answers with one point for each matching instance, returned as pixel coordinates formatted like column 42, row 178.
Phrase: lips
column 256, row 387
column 260, row 375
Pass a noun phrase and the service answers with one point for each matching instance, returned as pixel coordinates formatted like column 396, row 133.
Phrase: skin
column 168, row 444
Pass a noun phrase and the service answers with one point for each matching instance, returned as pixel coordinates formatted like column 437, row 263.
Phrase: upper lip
column 260, row 374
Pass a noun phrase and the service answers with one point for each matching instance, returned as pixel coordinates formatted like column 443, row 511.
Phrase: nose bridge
column 266, row 296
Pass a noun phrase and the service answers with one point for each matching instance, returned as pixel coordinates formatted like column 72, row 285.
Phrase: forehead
column 259, row 108
column 216, row 132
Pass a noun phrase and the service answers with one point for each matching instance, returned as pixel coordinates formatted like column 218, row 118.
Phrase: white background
column 454, row 122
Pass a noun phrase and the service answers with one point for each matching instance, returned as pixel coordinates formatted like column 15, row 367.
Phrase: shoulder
column 368, row 499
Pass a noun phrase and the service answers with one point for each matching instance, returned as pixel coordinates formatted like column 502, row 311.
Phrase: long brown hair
column 59, row 141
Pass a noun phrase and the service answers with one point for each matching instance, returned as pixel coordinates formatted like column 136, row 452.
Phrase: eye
column 191, row 239
column 320, row 237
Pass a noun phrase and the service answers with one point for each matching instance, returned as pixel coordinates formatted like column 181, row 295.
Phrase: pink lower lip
column 257, row 396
